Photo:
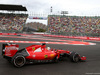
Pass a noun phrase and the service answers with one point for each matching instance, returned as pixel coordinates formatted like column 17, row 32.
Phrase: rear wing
column 9, row 49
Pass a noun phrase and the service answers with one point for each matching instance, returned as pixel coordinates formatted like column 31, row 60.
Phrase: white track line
column 11, row 41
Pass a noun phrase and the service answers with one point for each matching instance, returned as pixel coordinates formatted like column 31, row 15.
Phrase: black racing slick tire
column 74, row 57
column 18, row 60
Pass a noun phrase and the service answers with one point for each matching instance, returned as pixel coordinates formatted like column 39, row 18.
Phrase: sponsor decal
column 94, row 38
column 34, row 55
column 11, row 48
column 45, row 56
column 8, row 49
column 52, row 55
column 8, row 52
column 38, row 50
column 33, row 48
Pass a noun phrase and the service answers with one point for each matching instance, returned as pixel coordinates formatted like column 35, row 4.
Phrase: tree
column 41, row 30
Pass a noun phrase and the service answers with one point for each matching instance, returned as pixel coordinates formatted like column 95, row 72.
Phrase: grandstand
column 74, row 25
column 12, row 18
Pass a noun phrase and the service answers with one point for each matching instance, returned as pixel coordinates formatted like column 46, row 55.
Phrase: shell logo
column 45, row 56
column 52, row 55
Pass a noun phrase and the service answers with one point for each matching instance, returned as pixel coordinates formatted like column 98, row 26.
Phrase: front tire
column 74, row 57
column 18, row 60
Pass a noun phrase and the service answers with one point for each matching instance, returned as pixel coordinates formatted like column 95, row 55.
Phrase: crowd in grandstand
column 12, row 22
column 74, row 24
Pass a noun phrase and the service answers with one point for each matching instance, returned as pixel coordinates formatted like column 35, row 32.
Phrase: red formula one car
column 39, row 53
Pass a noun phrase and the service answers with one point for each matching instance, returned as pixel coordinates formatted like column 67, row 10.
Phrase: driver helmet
column 48, row 48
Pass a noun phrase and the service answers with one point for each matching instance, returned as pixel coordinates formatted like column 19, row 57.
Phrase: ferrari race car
column 39, row 53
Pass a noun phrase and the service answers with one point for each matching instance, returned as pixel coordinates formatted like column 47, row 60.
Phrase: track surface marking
column 70, row 42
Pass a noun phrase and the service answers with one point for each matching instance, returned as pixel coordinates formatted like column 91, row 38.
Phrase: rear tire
column 18, row 60
column 74, row 57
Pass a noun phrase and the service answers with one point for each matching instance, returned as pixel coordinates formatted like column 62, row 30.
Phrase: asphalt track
column 65, row 67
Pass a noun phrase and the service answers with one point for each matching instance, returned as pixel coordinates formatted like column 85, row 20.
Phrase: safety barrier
column 60, row 36
column 76, row 37
column 8, row 34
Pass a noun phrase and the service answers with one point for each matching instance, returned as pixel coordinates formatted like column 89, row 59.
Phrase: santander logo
column 12, row 48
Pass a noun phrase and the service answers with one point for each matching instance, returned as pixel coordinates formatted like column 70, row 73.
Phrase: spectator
column 74, row 24
column 12, row 22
